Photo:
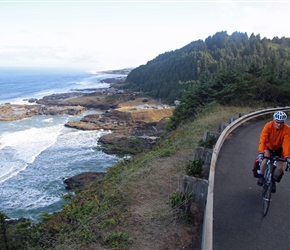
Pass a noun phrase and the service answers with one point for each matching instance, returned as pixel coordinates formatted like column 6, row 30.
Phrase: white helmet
column 279, row 116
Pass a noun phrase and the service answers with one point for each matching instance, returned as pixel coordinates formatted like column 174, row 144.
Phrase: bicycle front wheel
column 266, row 198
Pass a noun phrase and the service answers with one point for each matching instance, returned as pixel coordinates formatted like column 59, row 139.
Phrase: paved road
column 237, row 209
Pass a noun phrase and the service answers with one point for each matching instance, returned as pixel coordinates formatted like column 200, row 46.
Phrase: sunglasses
column 279, row 122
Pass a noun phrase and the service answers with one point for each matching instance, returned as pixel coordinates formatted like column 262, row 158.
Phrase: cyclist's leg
column 279, row 166
column 263, row 167
column 267, row 153
column 279, row 170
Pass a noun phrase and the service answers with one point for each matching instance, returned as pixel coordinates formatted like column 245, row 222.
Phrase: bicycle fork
column 268, row 181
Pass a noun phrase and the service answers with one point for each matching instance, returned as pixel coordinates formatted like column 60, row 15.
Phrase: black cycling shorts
column 278, row 152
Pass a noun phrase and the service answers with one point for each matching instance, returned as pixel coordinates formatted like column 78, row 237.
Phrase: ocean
column 38, row 153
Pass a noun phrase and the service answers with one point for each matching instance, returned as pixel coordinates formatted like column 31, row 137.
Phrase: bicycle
column 267, row 186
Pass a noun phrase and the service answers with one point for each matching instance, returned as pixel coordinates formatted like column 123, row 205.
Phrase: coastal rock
column 122, row 144
column 32, row 100
column 63, row 110
column 112, row 138
column 116, row 80
column 150, row 122
column 129, row 136
column 58, row 99
column 82, row 125
column 110, row 120
column 81, row 180
column 139, row 138
column 12, row 112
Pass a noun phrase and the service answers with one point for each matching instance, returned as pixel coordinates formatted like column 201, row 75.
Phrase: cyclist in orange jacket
column 275, row 137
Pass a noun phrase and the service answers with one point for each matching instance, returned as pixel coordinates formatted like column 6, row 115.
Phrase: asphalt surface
column 238, row 223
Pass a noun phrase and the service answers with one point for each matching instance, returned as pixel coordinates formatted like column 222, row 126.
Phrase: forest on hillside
column 227, row 69
column 232, row 66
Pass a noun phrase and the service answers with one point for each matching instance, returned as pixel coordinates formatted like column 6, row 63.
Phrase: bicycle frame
column 267, row 186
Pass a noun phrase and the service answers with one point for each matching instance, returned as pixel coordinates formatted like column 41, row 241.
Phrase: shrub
column 209, row 143
column 182, row 204
column 194, row 168
column 117, row 240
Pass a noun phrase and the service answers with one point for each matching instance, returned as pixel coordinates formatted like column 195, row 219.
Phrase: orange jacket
column 275, row 138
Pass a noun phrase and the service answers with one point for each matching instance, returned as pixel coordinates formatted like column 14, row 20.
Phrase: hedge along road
column 237, row 207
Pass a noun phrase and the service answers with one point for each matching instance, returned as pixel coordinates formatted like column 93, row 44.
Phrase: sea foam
column 23, row 147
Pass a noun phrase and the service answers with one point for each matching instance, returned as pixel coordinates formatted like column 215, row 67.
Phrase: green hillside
column 261, row 64
column 225, row 69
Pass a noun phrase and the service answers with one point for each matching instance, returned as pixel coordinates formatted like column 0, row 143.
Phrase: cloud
column 122, row 34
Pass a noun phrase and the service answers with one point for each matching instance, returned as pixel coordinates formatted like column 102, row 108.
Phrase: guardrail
column 207, row 235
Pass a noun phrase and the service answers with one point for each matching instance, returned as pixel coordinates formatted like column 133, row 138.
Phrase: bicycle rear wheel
column 266, row 198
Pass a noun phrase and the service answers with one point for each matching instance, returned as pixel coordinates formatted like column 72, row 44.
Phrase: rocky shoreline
column 62, row 103
column 136, row 122
column 49, row 105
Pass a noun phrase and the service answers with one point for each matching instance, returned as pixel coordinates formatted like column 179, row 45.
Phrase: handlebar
column 277, row 158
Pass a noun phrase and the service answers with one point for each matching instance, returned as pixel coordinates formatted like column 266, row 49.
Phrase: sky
column 103, row 35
